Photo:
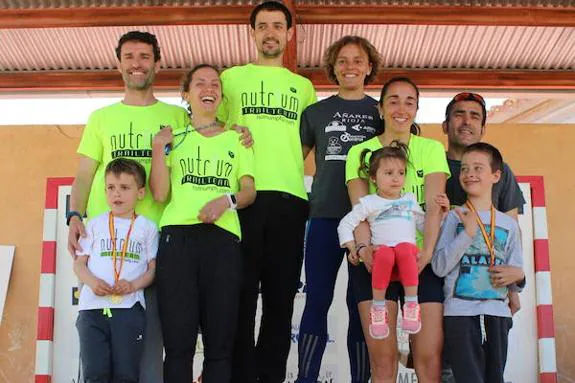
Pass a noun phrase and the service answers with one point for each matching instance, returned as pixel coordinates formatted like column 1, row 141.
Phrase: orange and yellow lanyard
column 489, row 240
column 118, row 270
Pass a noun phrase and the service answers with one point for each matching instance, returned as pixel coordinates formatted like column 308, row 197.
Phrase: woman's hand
column 163, row 137
column 214, row 209
column 75, row 231
column 365, row 254
column 352, row 256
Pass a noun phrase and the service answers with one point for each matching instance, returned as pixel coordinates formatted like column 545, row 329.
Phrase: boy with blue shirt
column 479, row 254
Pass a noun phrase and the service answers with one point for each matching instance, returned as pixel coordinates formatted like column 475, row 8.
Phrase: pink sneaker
column 411, row 322
column 378, row 329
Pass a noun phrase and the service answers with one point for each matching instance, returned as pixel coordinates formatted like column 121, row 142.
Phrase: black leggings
column 198, row 277
column 273, row 231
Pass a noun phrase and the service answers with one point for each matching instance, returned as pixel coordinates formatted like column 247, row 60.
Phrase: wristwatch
column 72, row 213
column 232, row 200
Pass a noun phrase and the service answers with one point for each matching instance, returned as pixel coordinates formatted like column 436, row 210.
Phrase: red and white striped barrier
column 545, row 324
column 45, row 335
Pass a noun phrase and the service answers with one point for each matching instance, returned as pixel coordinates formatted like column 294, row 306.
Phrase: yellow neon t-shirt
column 202, row 169
column 270, row 101
column 121, row 130
column 426, row 156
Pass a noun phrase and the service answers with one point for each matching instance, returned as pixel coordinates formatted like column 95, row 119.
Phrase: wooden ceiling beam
column 124, row 16
column 465, row 79
column 426, row 79
column 290, row 54
column 437, row 15
column 306, row 14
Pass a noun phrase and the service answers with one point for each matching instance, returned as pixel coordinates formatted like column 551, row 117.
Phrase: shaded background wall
column 30, row 154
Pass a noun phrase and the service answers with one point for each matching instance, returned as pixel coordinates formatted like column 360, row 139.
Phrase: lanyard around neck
column 489, row 239
column 118, row 270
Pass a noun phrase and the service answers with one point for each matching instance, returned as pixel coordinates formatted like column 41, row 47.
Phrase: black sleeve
column 521, row 284
column 306, row 129
column 511, row 196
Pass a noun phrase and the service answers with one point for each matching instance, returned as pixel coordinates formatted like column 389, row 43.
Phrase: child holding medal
column 116, row 263
column 479, row 254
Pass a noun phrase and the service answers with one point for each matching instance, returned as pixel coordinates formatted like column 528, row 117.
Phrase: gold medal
column 116, row 299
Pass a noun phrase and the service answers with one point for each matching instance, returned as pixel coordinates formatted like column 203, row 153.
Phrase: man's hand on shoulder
column 75, row 231
column 245, row 135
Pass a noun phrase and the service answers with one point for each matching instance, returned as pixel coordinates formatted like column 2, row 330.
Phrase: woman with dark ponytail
column 425, row 177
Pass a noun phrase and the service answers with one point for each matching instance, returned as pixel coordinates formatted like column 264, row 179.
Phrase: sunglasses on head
column 468, row 96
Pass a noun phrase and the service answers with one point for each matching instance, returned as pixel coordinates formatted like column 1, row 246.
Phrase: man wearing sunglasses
column 464, row 124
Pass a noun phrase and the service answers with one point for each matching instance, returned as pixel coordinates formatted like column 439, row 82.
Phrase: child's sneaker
column 411, row 322
column 378, row 329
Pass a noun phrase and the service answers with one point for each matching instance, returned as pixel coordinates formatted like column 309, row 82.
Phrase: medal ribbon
column 489, row 240
column 118, row 271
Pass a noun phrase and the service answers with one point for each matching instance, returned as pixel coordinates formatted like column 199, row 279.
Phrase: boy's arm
column 147, row 278
column 98, row 286
column 512, row 272
column 123, row 286
column 450, row 248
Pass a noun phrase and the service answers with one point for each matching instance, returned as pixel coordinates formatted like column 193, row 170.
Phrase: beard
column 141, row 84
column 273, row 52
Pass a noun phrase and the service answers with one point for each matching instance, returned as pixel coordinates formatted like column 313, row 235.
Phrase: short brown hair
column 271, row 6
column 495, row 157
column 141, row 37
column 332, row 51
column 127, row 166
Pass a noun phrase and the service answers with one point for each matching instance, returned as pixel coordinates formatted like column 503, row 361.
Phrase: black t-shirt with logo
column 333, row 126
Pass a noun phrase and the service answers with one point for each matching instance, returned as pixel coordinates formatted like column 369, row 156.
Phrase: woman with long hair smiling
column 426, row 174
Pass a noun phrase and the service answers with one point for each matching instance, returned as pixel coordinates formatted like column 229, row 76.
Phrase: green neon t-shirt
column 202, row 169
column 270, row 101
column 121, row 130
column 426, row 156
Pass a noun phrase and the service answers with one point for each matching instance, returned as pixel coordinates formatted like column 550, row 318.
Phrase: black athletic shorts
column 430, row 288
